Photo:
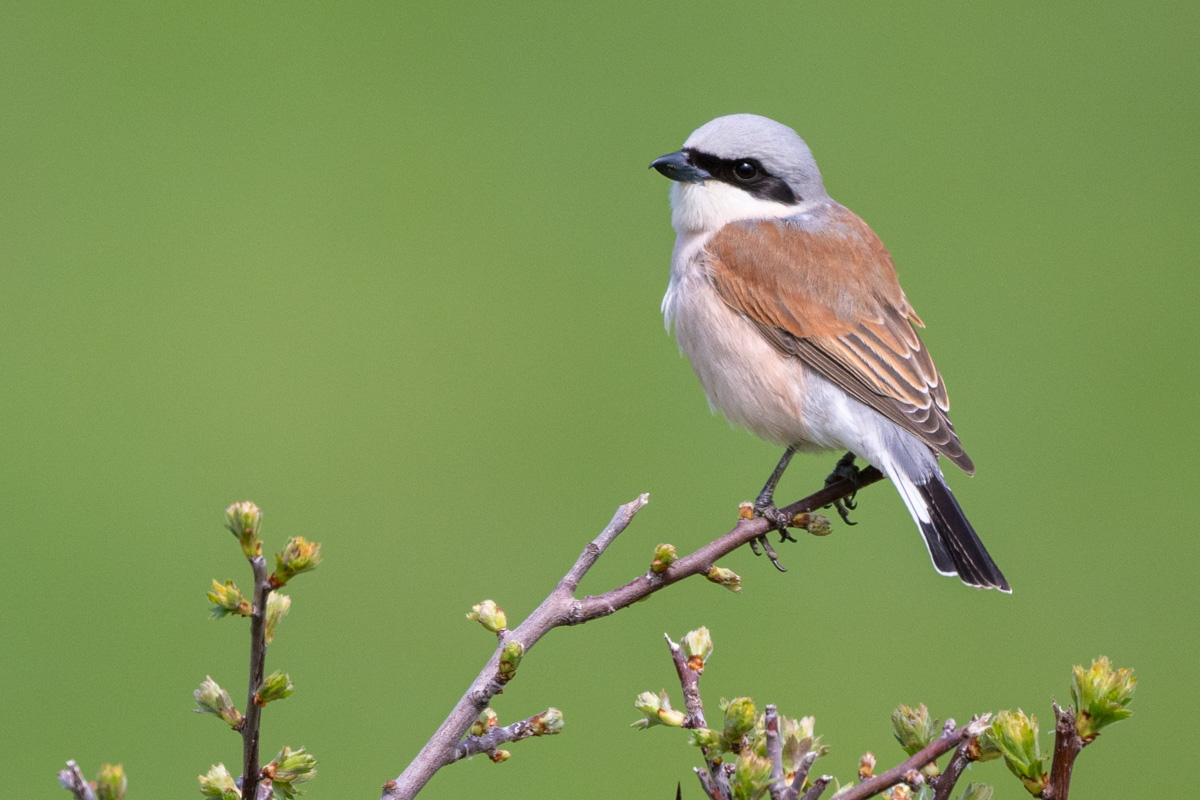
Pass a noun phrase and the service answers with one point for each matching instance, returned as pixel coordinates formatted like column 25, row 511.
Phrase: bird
column 789, row 309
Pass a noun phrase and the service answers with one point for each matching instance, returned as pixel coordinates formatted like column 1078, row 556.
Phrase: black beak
column 678, row 167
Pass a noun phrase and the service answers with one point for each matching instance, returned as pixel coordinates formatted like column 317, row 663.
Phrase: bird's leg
column 764, row 506
column 845, row 470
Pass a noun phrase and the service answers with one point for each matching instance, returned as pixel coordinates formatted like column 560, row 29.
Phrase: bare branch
column 1067, row 745
column 597, row 546
column 943, row 784
column 258, row 658
column 774, row 752
column 562, row 608
column 817, row 787
column 689, row 681
column 73, row 781
column 706, row 783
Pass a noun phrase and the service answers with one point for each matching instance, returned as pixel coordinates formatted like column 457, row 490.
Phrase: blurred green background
column 393, row 272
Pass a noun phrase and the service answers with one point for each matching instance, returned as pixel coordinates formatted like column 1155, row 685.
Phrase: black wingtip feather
column 952, row 541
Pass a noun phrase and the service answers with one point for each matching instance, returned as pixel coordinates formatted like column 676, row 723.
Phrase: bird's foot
column 770, row 551
column 845, row 470
column 764, row 507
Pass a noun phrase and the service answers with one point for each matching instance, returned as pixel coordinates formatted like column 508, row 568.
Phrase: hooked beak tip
column 678, row 167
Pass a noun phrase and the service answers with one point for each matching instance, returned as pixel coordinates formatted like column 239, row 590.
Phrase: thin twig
column 73, row 781
column 774, row 752
column 1067, row 745
column 898, row 774
column 258, row 658
column 943, row 784
column 474, row 745
column 817, row 787
column 711, row 791
column 689, row 681
column 806, row 762
column 562, row 608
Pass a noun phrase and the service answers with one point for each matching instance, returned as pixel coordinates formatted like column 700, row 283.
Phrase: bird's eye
column 745, row 171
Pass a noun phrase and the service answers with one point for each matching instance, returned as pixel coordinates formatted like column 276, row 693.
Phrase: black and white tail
column 953, row 544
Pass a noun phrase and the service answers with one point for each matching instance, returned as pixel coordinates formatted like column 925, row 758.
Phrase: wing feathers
column 832, row 299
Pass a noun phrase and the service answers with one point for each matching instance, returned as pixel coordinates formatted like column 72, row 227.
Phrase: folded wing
column 828, row 295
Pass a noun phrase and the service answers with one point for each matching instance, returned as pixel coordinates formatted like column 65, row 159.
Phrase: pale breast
column 742, row 375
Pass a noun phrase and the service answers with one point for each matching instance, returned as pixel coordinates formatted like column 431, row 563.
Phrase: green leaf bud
column 658, row 711
column 740, row 718
column 244, row 520
column 1016, row 735
column 977, row 791
column 228, row 599
column 290, row 768
column 818, row 525
column 914, row 727
column 706, row 738
column 1101, row 695
column 510, row 658
column 111, row 783
column 485, row 722
column 499, row 756
column 547, row 723
column 697, row 647
column 299, row 555
column 798, row 742
column 725, row 577
column 664, row 557
column 212, row 699
column 751, row 776
column 489, row 615
column 278, row 606
column 219, row 783
column 275, row 686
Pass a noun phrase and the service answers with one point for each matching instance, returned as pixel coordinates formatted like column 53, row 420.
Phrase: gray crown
column 777, row 147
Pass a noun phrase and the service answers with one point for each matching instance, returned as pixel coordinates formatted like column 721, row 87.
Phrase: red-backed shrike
column 788, row 307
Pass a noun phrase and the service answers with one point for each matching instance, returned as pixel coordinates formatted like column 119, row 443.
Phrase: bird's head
column 740, row 167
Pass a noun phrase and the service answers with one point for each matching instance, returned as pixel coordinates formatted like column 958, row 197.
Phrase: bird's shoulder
column 820, row 272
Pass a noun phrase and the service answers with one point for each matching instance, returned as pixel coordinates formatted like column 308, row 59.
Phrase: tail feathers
column 953, row 544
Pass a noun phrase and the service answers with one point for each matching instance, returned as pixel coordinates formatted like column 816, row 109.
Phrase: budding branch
column 73, row 781
column 258, row 657
column 716, row 784
column 487, row 742
column 1067, row 745
column 947, row 741
column 562, row 608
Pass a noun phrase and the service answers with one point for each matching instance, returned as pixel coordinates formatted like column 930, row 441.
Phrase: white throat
column 710, row 206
